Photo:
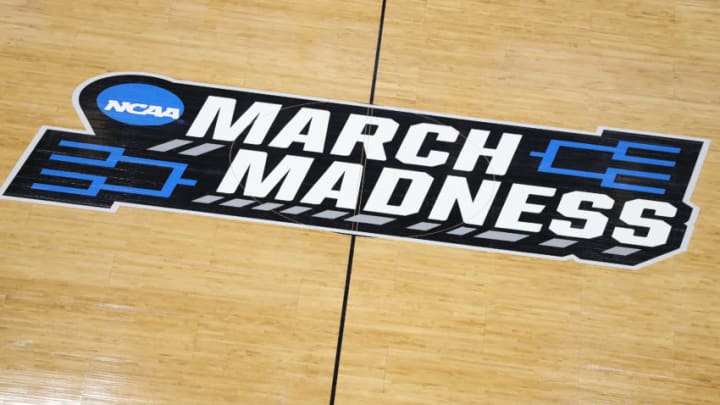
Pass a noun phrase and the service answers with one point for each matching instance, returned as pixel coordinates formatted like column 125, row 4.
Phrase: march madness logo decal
column 617, row 197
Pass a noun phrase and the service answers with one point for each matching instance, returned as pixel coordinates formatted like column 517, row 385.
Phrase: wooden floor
column 143, row 306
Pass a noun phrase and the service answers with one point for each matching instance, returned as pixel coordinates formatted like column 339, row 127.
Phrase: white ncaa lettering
column 142, row 109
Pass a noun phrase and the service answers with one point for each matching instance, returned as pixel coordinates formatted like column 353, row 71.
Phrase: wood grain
column 142, row 306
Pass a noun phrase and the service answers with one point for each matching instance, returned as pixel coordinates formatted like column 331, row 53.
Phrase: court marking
column 351, row 250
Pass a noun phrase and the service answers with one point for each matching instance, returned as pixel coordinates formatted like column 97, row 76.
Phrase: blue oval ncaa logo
column 140, row 104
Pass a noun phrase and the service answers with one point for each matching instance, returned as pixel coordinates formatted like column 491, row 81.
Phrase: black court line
column 351, row 251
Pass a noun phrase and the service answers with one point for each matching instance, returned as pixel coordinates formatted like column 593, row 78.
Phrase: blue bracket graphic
column 99, row 183
column 620, row 154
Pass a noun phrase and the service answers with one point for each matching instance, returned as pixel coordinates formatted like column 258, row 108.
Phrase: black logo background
column 209, row 168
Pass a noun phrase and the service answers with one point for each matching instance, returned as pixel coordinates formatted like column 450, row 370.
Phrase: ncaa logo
column 140, row 104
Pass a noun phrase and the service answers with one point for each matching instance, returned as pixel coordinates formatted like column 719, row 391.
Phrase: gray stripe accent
column 331, row 214
column 504, row 236
column 295, row 210
column 169, row 145
column 237, row 203
column 370, row 219
column 558, row 243
column 207, row 199
column 621, row 251
column 423, row 226
column 201, row 149
column 267, row 206
column 463, row 230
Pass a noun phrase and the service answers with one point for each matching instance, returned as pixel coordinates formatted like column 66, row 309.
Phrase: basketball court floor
column 147, row 306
